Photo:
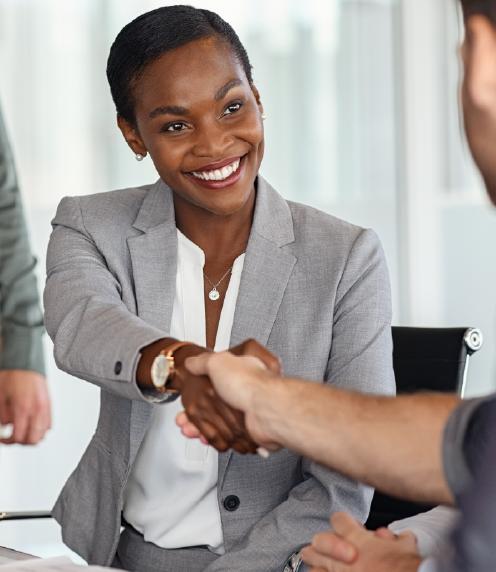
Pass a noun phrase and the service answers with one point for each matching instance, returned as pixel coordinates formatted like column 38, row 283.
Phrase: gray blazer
column 314, row 290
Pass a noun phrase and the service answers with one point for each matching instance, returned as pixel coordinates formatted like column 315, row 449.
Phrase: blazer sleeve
column 20, row 314
column 95, row 336
column 361, row 360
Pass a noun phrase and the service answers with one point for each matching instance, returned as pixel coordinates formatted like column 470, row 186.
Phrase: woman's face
column 200, row 120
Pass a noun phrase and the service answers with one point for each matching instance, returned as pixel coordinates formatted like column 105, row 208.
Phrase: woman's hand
column 252, row 348
column 235, row 380
column 222, row 426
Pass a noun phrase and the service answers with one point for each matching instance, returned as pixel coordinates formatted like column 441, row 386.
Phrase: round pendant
column 214, row 294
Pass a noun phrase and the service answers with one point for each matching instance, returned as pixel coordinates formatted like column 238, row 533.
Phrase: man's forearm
column 393, row 444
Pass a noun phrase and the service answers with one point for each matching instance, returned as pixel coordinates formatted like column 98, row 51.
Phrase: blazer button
column 117, row 367
column 231, row 503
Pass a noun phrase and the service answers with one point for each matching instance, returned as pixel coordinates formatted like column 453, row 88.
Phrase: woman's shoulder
column 312, row 224
column 120, row 206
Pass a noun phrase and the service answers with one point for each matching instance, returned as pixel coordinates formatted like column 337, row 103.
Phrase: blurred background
column 362, row 121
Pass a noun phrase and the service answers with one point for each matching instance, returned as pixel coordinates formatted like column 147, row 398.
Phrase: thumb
column 385, row 533
column 408, row 539
column 198, row 365
column 344, row 524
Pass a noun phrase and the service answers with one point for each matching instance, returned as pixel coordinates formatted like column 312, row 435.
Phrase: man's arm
column 24, row 401
column 393, row 444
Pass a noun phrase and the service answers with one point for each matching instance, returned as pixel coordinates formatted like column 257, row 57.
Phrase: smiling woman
column 208, row 258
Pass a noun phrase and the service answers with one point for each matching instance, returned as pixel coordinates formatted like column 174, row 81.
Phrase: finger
column 242, row 443
column 6, row 434
column 21, row 424
column 253, row 348
column 334, row 546
column 212, row 437
column 190, row 431
column 408, row 539
column 6, row 416
column 35, row 433
column 45, row 417
column 344, row 524
column 181, row 419
column 198, row 365
column 315, row 560
column 385, row 533
column 48, row 414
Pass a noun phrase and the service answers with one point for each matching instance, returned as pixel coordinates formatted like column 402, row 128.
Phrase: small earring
column 264, row 117
column 139, row 157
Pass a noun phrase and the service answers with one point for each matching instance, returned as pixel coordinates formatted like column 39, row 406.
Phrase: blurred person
column 210, row 255
column 24, row 400
column 431, row 448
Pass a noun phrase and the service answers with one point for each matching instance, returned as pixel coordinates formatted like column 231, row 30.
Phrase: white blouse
column 171, row 494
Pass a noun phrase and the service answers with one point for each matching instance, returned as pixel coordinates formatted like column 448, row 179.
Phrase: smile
column 218, row 174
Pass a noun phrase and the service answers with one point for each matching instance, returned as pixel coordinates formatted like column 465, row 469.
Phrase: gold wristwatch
column 163, row 368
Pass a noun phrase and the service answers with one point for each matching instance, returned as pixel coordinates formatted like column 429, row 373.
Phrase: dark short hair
column 153, row 34
column 484, row 7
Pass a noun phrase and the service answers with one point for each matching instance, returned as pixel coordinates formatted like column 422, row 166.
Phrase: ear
column 479, row 56
column 132, row 136
column 256, row 93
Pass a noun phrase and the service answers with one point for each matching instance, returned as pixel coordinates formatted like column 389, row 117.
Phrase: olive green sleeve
column 21, row 321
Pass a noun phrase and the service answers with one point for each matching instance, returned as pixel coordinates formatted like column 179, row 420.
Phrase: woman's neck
column 221, row 237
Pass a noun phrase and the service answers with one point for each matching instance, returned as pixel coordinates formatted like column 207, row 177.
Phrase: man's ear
column 256, row 93
column 132, row 136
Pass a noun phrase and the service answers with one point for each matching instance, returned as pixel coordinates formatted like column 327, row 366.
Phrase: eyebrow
column 221, row 93
column 178, row 110
column 168, row 110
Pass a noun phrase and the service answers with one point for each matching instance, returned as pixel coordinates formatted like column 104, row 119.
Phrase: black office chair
column 425, row 359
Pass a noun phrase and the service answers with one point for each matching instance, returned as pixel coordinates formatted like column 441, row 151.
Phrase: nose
column 212, row 141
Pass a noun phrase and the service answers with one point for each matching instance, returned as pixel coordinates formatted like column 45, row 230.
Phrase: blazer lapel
column 154, row 262
column 154, row 257
column 266, row 273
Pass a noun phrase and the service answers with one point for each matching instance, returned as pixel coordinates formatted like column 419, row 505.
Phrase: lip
column 218, row 164
column 231, row 180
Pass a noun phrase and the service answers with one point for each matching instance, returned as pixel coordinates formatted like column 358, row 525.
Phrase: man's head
column 479, row 86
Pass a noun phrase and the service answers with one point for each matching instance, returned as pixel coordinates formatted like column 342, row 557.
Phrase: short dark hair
column 153, row 34
column 484, row 7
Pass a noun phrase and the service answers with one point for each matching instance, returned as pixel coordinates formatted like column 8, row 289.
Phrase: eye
column 233, row 108
column 175, row 127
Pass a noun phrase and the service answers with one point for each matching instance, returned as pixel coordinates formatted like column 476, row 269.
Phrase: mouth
column 219, row 175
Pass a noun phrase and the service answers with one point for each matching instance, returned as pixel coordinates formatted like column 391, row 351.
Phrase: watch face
column 160, row 371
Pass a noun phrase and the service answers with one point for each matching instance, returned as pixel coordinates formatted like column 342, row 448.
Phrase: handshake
column 219, row 392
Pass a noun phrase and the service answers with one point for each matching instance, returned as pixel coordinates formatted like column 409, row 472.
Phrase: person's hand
column 236, row 380
column 352, row 548
column 220, row 425
column 24, row 404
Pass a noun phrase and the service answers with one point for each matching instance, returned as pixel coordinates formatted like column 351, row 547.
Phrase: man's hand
column 220, row 425
column 236, row 380
column 25, row 404
column 352, row 548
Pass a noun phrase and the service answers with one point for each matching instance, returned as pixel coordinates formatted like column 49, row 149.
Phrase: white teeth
column 217, row 174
